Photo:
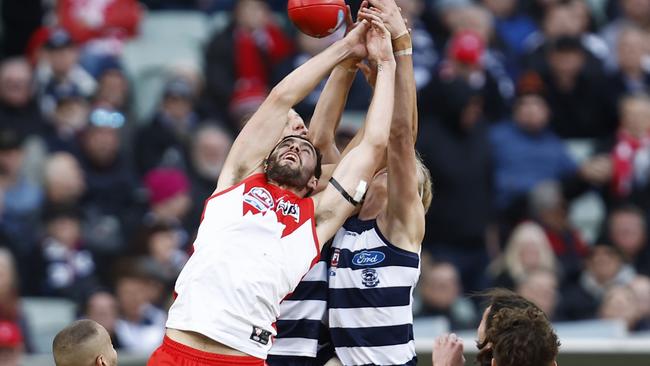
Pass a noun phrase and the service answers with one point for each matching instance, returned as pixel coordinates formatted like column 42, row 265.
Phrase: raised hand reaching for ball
column 378, row 42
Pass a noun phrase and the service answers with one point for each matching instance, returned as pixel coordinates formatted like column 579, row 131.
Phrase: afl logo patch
column 259, row 198
column 368, row 258
column 335, row 261
column 369, row 277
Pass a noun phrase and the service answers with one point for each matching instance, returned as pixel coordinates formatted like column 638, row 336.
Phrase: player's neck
column 298, row 192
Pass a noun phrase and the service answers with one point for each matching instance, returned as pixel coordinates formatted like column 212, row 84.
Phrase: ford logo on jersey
column 368, row 258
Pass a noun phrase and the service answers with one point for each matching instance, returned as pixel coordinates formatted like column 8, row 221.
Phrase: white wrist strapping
column 404, row 52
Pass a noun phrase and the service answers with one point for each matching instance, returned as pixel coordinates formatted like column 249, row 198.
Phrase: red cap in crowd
column 10, row 335
column 467, row 47
column 165, row 183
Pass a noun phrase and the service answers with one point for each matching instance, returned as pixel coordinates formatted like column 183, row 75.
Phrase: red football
column 317, row 18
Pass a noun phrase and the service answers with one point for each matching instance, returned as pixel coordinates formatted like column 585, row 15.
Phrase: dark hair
column 522, row 337
column 318, row 170
column 497, row 299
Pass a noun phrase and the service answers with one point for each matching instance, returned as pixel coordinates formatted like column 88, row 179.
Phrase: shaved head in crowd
column 84, row 343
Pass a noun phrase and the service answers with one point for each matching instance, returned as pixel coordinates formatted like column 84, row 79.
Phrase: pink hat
column 10, row 334
column 165, row 183
column 467, row 47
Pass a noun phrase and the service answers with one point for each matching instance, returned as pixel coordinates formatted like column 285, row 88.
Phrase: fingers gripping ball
column 317, row 18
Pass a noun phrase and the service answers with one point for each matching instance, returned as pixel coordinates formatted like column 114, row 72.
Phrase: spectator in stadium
column 512, row 26
column 237, row 84
column 101, row 306
column 635, row 13
column 84, row 342
column 605, row 268
column 620, row 302
column 627, row 231
column 526, row 151
column 69, row 267
column 632, row 75
column 59, row 67
column 109, row 201
column 565, row 19
column 9, row 296
column 160, row 241
column 21, row 198
column 69, row 118
column 522, row 337
column 527, row 250
column 632, row 148
column 64, row 181
column 18, row 106
column 141, row 325
column 11, row 343
column 442, row 295
column 209, row 148
column 541, row 287
column 112, row 86
column 165, row 140
column 548, row 208
column 575, row 90
column 509, row 318
column 641, row 287
column 169, row 199
column 480, row 20
column 459, row 216
column 471, row 54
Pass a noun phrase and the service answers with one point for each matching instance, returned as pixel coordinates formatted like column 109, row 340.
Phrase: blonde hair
column 527, row 232
column 425, row 185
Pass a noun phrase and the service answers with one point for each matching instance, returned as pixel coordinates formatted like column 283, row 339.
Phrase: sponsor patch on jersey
column 369, row 277
column 260, row 335
column 335, row 261
column 259, row 198
column 368, row 258
column 289, row 209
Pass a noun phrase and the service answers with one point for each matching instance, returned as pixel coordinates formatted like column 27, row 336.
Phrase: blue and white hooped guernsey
column 303, row 337
column 371, row 285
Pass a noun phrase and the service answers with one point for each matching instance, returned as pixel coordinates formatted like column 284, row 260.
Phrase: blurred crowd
column 101, row 208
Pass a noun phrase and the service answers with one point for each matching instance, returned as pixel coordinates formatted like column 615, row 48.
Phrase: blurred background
column 116, row 117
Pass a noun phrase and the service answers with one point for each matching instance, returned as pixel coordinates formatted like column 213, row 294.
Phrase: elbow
column 281, row 95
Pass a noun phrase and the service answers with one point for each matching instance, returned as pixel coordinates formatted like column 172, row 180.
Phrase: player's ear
column 312, row 184
column 99, row 361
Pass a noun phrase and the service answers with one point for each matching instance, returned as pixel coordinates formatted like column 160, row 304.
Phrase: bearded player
column 260, row 232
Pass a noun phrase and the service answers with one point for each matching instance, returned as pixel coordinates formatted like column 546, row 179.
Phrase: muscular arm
column 264, row 129
column 361, row 163
column 327, row 115
column 403, row 222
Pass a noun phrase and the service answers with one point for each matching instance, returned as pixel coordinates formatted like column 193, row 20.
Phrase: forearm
column 380, row 112
column 295, row 87
column 329, row 109
column 405, row 113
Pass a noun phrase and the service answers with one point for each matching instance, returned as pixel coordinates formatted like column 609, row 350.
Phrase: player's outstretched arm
column 403, row 223
column 356, row 169
column 329, row 109
column 265, row 127
column 327, row 115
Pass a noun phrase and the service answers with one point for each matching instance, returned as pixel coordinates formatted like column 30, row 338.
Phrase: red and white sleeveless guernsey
column 255, row 242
